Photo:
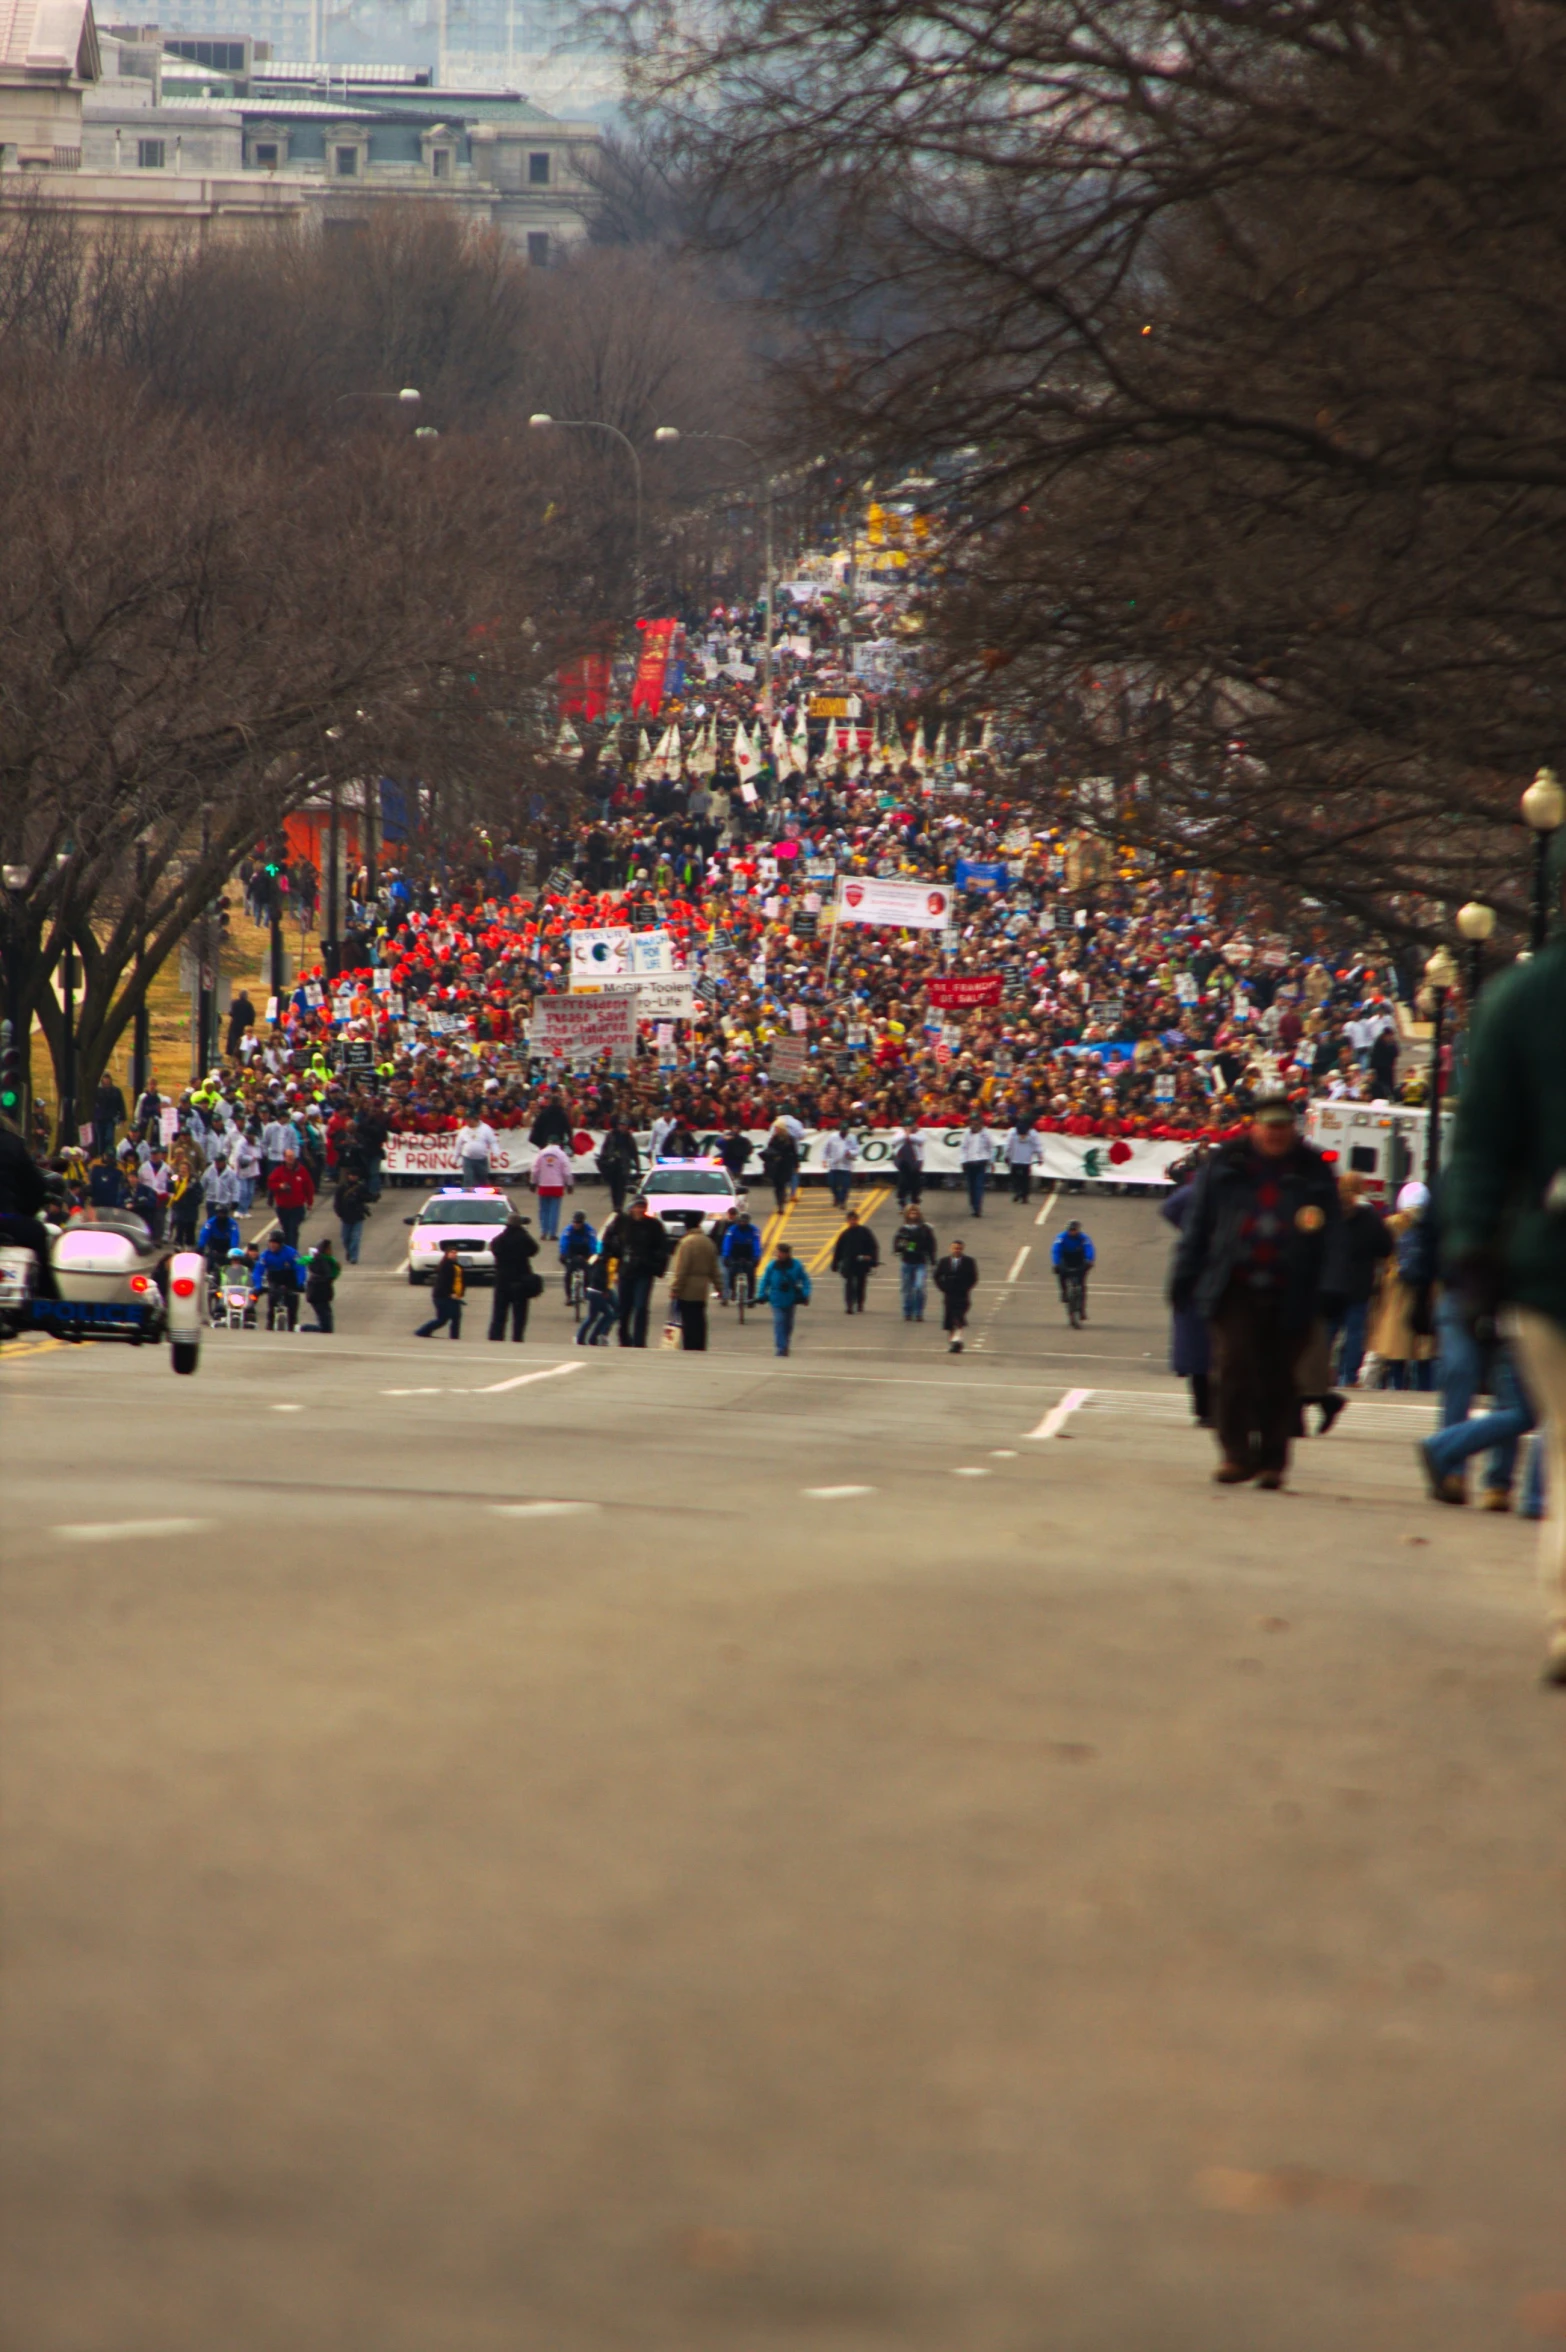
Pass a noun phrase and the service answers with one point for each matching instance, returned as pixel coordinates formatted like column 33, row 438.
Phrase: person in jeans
column 351, row 1204
column 977, row 1154
column 1498, row 1433
column 552, row 1180
column 448, row 1291
column 838, row 1154
column 643, row 1248
column 914, row 1244
column 784, row 1286
column 1363, row 1244
column 598, row 1320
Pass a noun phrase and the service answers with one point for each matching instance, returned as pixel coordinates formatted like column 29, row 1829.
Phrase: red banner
column 964, row 989
column 652, row 668
column 584, row 687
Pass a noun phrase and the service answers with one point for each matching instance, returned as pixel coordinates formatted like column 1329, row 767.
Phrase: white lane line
column 1020, row 1260
column 288, row 1408
column 118, row 1530
column 539, row 1510
column 1003, row 1453
column 413, row 1392
column 525, row 1379
column 1048, row 1210
column 969, row 1470
column 835, row 1494
column 1056, row 1418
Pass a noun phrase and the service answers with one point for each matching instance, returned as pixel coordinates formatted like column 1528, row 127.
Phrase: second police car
column 674, row 1188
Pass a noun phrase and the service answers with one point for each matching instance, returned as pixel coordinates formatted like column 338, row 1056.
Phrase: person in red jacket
column 291, row 1189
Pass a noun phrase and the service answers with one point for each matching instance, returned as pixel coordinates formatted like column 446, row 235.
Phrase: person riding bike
column 578, row 1248
column 1071, row 1258
column 280, row 1273
column 739, row 1250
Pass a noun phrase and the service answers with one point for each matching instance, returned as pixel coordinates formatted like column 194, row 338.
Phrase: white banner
column 1080, row 1159
column 916, row 906
column 599, row 955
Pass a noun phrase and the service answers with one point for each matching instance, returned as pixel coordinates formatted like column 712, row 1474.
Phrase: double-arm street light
column 542, row 422
column 672, row 433
column 1544, row 812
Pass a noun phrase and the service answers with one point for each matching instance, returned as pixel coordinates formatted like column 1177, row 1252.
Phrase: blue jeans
column 915, row 1274
column 446, row 1311
column 841, row 1180
column 782, row 1327
column 1352, row 1324
column 1499, row 1433
column 549, row 1214
column 353, row 1234
column 976, row 1176
column 374, row 1176
column 1457, row 1365
column 598, row 1322
column 247, row 1193
column 474, row 1173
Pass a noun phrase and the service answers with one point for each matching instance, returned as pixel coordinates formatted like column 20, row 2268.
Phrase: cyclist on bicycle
column 739, row 1250
column 578, row 1248
column 1071, row 1258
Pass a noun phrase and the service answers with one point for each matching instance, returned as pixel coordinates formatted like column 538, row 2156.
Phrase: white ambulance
column 1385, row 1143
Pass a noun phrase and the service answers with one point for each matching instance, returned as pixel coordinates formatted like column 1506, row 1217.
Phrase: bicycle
column 576, row 1288
column 744, row 1287
column 1073, row 1286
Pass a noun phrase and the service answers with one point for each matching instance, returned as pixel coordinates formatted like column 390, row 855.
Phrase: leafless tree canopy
column 1245, row 316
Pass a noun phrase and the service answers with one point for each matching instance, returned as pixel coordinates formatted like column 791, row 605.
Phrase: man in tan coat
column 694, row 1275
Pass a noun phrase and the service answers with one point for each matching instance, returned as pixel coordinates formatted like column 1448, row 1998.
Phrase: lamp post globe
column 1543, row 811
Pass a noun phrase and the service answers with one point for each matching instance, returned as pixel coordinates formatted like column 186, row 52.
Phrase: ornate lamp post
column 1544, row 812
column 1441, row 974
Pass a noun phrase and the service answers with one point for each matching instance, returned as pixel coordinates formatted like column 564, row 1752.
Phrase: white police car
column 674, row 1189
column 471, row 1219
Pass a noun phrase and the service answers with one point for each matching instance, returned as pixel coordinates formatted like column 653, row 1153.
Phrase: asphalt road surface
column 520, row 1849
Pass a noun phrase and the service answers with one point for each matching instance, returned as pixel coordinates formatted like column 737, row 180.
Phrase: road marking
column 288, row 1408
column 835, row 1494
column 539, row 1510
column 525, row 1379
column 413, row 1392
column 1020, row 1260
column 967, row 1470
column 1056, row 1418
column 117, row 1530
column 1003, row 1453
column 15, row 1350
column 1048, row 1210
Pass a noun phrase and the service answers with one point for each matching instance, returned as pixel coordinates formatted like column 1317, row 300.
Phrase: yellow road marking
column 812, row 1224
column 14, row 1350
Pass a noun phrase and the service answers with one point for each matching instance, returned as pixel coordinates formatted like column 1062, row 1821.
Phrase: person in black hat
column 516, row 1285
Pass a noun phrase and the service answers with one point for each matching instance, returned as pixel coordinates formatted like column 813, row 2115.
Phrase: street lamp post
column 1476, row 922
column 1441, row 973
column 14, row 1073
column 672, row 433
column 1544, row 811
column 542, row 422
column 141, row 1019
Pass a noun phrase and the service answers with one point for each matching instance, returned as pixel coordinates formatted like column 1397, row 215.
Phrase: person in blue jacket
column 1072, row 1254
column 784, row 1286
column 280, row 1272
column 578, row 1247
column 218, row 1238
column 739, row 1249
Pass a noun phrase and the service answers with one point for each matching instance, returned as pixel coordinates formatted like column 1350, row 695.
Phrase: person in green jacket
column 1503, row 1209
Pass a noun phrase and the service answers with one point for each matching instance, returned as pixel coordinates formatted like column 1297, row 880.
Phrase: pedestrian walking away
column 1252, row 1260
column 552, row 1180
column 955, row 1277
column 855, row 1256
column 693, row 1277
column 517, row 1282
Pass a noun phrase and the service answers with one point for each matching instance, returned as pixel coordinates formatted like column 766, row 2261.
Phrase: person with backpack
column 320, row 1285
column 855, row 1256
column 955, row 1277
column 619, row 1163
column 914, row 1245
column 784, row 1287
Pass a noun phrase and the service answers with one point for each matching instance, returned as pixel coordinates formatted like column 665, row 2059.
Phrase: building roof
column 49, row 37
column 278, row 70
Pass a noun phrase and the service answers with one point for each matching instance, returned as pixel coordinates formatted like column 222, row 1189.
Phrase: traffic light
column 11, row 1073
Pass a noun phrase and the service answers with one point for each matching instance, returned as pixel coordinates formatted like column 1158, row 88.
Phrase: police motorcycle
column 111, row 1278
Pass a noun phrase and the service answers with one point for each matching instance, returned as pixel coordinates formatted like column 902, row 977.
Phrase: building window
column 538, row 249
column 440, row 163
column 149, row 155
column 266, row 154
column 538, row 171
column 347, row 163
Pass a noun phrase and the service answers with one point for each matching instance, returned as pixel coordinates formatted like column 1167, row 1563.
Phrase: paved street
column 521, row 1849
